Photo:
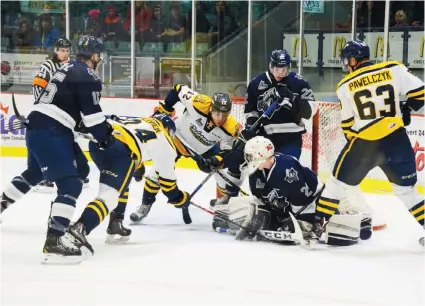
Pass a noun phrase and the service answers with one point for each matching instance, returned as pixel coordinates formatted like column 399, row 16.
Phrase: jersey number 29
column 368, row 109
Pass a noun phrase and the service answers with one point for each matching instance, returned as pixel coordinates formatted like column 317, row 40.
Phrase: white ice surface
column 167, row 262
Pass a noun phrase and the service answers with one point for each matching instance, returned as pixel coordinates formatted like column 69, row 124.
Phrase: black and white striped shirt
column 42, row 78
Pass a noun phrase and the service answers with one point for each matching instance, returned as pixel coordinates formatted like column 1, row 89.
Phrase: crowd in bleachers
column 371, row 14
column 167, row 22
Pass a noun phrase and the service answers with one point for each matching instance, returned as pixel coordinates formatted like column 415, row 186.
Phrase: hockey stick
column 23, row 120
column 185, row 210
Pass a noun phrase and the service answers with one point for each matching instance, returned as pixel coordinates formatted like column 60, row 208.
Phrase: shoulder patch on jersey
column 202, row 103
column 230, row 126
column 291, row 175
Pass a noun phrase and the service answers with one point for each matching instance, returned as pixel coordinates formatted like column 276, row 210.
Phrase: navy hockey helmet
column 167, row 122
column 354, row 49
column 89, row 45
column 280, row 59
column 221, row 102
column 279, row 64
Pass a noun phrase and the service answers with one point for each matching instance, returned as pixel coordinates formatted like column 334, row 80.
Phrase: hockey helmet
column 279, row 63
column 221, row 102
column 89, row 45
column 62, row 43
column 354, row 49
column 257, row 151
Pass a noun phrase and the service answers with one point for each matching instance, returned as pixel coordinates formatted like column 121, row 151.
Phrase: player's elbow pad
column 170, row 100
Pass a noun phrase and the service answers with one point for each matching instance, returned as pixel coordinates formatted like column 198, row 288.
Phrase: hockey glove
column 183, row 201
column 163, row 109
column 405, row 111
column 107, row 143
column 210, row 164
column 139, row 173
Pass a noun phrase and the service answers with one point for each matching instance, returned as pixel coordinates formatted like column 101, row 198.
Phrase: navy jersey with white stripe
column 43, row 76
column 283, row 120
column 286, row 183
column 72, row 95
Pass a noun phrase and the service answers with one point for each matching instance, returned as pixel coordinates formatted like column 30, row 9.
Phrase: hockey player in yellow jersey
column 204, row 123
column 136, row 140
column 373, row 120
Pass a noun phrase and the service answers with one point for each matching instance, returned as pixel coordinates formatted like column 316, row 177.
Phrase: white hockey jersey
column 370, row 99
column 147, row 139
column 195, row 129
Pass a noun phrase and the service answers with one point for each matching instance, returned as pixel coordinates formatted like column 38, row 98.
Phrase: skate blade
column 55, row 259
column 45, row 189
column 116, row 239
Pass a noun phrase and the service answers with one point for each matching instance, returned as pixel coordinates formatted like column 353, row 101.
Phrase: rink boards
column 13, row 142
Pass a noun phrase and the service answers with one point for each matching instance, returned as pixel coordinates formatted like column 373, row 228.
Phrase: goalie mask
column 257, row 151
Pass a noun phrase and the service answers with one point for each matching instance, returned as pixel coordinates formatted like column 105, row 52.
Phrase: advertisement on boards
column 309, row 45
column 22, row 68
column 415, row 53
column 332, row 51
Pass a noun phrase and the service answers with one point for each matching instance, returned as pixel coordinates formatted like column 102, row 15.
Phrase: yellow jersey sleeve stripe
column 416, row 94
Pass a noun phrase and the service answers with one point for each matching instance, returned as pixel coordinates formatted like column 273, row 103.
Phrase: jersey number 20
column 367, row 107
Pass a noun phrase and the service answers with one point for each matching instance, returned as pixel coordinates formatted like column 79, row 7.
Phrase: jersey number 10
column 368, row 109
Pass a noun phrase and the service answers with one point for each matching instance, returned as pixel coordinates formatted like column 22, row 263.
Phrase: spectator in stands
column 225, row 22
column 112, row 26
column 418, row 15
column 400, row 19
column 157, row 29
column 10, row 19
column 202, row 23
column 92, row 23
column 47, row 34
column 142, row 21
column 370, row 14
column 175, row 32
column 24, row 37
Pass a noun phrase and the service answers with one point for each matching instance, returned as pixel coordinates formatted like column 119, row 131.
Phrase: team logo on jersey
column 265, row 100
column 262, row 86
column 273, row 195
column 291, row 175
column 259, row 184
column 199, row 121
column 201, row 138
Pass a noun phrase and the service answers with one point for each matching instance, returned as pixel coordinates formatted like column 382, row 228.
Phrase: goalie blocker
column 282, row 187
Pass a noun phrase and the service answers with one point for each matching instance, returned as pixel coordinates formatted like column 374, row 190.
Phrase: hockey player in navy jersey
column 281, row 185
column 286, row 124
column 72, row 96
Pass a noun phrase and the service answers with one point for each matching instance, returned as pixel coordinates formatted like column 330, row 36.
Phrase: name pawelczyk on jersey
column 367, row 80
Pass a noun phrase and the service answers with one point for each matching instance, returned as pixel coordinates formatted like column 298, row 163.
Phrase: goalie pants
column 116, row 171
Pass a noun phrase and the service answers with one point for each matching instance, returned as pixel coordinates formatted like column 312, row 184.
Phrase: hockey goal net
column 322, row 143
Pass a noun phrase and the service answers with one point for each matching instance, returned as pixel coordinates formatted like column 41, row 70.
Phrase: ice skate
column 141, row 212
column 116, row 231
column 78, row 232
column 59, row 250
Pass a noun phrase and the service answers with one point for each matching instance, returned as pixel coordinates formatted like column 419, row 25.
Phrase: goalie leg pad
column 343, row 230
